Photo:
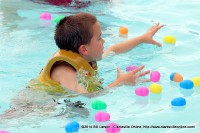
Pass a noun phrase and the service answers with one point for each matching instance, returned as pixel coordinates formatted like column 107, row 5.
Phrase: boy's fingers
column 157, row 24
column 156, row 43
column 158, row 27
column 143, row 80
column 137, row 69
column 144, row 73
column 119, row 70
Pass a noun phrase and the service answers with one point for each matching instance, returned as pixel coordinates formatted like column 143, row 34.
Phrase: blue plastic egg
column 72, row 127
column 186, row 84
column 179, row 101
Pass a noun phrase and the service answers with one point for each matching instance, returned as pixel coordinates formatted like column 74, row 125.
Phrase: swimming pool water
column 26, row 43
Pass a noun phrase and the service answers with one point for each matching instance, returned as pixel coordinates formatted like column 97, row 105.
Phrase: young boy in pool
column 73, row 67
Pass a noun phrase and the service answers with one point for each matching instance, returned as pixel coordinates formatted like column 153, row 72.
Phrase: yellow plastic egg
column 196, row 81
column 169, row 39
column 155, row 88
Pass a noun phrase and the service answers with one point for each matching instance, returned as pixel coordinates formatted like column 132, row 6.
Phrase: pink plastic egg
column 102, row 116
column 142, row 91
column 155, row 76
column 1, row 131
column 130, row 68
column 45, row 16
column 112, row 128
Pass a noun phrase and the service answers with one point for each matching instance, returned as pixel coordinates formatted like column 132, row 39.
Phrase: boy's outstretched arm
column 131, row 43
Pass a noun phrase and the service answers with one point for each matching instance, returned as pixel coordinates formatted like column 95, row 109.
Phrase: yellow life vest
column 78, row 63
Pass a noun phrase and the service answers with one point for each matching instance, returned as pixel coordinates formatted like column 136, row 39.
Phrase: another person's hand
column 148, row 36
column 131, row 77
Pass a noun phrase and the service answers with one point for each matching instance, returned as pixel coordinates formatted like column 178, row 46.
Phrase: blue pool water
column 26, row 43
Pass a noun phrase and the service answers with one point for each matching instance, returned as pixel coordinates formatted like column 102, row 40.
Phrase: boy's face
column 95, row 47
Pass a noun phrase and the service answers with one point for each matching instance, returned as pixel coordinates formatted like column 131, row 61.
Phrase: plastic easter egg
column 155, row 76
column 112, row 128
column 102, row 116
column 142, row 91
column 72, row 127
column 99, row 105
column 1, row 131
column 155, row 88
column 123, row 31
column 169, row 39
column 176, row 77
column 130, row 68
column 58, row 18
column 45, row 16
column 196, row 81
column 186, row 84
column 179, row 101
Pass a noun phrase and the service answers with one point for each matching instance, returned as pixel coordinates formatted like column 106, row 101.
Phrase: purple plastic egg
column 130, row 68
column 112, row 128
column 142, row 91
column 155, row 76
column 102, row 116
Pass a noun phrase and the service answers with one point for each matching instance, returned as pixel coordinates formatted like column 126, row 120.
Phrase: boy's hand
column 132, row 77
column 148, row 36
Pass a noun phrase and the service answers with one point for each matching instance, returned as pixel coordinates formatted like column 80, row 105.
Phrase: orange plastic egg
column 176, row 77
column 123, row 31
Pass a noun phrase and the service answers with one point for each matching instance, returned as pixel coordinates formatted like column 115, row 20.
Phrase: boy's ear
column 83, row 50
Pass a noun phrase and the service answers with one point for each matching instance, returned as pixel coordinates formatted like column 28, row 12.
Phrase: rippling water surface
column 26, row 43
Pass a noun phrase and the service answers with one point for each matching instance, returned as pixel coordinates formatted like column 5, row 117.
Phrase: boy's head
column 80, row 33
column 74, row 30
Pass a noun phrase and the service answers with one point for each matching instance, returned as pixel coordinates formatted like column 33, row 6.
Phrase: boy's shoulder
column 60, row 70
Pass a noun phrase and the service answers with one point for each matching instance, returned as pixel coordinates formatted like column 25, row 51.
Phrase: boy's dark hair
column 75, row 30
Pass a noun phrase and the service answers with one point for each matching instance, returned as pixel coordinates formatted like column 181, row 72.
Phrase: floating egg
column 102, row 116
column 99, row 105
column 155, row 76
column 186, row 84
column 176, row 77
column 179, row 101
column 58, row 18
column 196, row 81
column 72, row 127
column 123, row 31
column 169, row 39
column 130, row 68
column 142, row 91
column 2, row 131
column 155, row 88
column 45, row 16
column 112, row 128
